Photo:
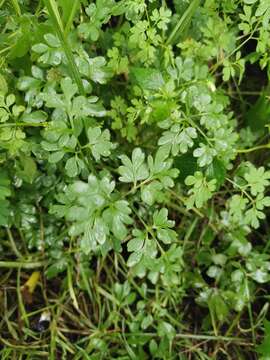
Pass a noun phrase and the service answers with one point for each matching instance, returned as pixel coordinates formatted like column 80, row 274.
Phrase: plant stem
column 13, row 244
column 72, row 14
column 21, row 264
column 16, row 7
column 195, row 210
column 24, row 124
column 52, row 8
column 184, row 21
column 255, row 148
column 250, row 313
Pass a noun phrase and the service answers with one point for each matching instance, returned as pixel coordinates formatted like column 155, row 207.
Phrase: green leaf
column 3, row 85
column 94, row 213
column 262, row 8
column 252, row 217
column 264, row 347
column 147, row 79
column 178, row 139
column 167, row 236
column 10, row 100
column 216, row 170
column 72, row 167
column 160, row 218
column 99, row 13
column 162, row 225
column 99, row 142
column 69, row 89
column 136, row 244
column 202, row 189
column 183, row 23
column 55, row 17
column 135, row 169
column 205, row 154
column 134, row 259
column 40, row 48
column 35, row 117
column 150, row 192
column 166, row 330
column 95, row 233
column 56, row 156
column 218, row 306
column 4, row 212
column 4, row 193
column 4, row 115
column 237, row 206
column 259, row 111
column 28, row 169
column 52, row 40
column 87, row 107
column 27, row 82
column 257, row 179
column 117, row 216
column 70, row 9
column 147, row 321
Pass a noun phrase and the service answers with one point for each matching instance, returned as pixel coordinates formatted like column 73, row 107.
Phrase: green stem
column 52, row 8
column 148, row 229
column 72, row 14
column 250, row 313
column 21, row 347
column 22, row 264
column 184, row 21
column 44, row 124
column 240, row 188
column 16, row 7
column 220, row 62
column 195, row 210
column 71, row 289
column 22, row 311
column 255, row 148
column 184, row 336
column 13, row 244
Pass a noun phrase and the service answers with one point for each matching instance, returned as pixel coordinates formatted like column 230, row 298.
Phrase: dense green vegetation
column 134, row 179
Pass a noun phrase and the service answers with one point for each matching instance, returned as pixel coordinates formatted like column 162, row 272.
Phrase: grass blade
column 16, row 7
column 53, row 11
column 72, row 14
column 52, row 8
column 183, row 22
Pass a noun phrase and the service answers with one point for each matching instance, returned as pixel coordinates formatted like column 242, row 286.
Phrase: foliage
column 134, row 175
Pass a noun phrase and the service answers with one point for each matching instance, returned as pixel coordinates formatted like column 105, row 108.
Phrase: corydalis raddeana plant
column 119, row 143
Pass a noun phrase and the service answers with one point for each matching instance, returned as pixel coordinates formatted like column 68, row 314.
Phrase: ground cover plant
column 134, row 179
